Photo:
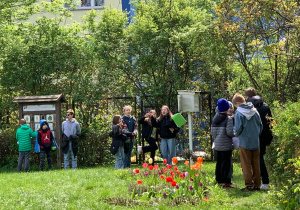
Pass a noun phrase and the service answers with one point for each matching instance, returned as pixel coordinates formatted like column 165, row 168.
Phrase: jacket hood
column 73, row 120
column 42, row 122
column 24, row 127
column 219, row 117
column 247, row 110
column 257, row 101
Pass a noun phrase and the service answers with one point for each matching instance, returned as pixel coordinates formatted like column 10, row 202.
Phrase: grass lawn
column 105, row 188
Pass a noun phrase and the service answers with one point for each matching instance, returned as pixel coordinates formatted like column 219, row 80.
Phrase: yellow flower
column 285, row 201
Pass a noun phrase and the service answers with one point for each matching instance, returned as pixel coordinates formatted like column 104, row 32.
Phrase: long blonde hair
column 169, row 112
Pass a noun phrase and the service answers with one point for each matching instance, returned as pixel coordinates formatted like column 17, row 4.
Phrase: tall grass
column 105, row 188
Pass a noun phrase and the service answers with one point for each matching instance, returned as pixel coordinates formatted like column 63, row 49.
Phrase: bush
column 284, row 154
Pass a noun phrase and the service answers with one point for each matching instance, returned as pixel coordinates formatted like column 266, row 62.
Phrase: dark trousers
column 151, row 148
column 263, row 170
column 42, row 159
column 223, row 166
column 127, row 160
column 23, row 156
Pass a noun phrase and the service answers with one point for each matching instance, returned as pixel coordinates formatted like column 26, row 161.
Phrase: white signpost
column 188, row 101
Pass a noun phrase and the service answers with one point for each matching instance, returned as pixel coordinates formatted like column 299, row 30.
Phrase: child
column 222, row 133
column 117, row 145
column 167, row 132
column 23, row 137
column 247, row 126
column 45, row 140
column 148, row 134
column 130, row 129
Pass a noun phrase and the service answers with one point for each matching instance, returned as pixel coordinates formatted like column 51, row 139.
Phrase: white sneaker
column 265, row 187
column 139, row 149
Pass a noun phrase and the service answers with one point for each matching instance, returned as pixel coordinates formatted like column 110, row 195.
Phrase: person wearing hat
column 222, row 133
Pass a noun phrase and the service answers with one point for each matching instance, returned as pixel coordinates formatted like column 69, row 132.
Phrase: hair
column 116, row 119
column 238, row 99
column 149, row 120
column 71, row 111
column 250, row 92
column 127, row 106
column 169, row 112
column 22, row 121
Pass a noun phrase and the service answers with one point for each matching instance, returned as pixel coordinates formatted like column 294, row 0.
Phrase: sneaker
column 265, row 187
column 140, row 149
column 247, row 189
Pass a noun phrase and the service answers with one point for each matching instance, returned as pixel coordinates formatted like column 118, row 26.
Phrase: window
column 91, row 4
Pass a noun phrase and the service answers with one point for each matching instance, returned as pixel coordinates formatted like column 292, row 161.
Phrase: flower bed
column 184, row 182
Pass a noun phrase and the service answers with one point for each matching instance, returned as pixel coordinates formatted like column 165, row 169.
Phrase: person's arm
column 39, row 139
column 78, row 130
column 51, row 137
column 155, row 123
column 229, row 127
column 135, row 131
column 141, row 120
column 238, row 125
column 33, row 134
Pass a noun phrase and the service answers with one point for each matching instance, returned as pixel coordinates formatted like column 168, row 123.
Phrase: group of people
column 46, row 142
column 251, row 125
column 124, row 131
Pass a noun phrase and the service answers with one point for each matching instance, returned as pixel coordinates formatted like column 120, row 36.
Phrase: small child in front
column 45, row 140
column 247, row 126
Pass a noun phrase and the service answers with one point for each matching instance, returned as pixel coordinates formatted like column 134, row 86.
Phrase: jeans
column 23, row 156
column 42, row 159
column 66, row 158
column 127, row 160
column 223, row 166
column 120, row 156
column 168, row 149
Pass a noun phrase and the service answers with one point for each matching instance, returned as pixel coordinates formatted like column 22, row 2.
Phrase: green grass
column 105, row 188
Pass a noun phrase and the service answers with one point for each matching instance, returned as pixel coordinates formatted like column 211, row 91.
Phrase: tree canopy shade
column 263, row 36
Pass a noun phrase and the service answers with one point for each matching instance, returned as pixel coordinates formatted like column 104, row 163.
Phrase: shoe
column 227, row 186
column 256, row 189
column 247, row 189
column 265, row 187
column 139, row 149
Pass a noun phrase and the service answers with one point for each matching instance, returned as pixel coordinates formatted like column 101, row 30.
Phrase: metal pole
column 190, row 135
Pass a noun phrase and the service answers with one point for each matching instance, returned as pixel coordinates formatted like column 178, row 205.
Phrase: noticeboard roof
column 43, row 98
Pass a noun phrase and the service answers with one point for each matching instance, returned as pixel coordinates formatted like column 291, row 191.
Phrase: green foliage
column 285, row 156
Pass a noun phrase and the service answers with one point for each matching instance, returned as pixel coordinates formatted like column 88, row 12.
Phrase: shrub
column 284, row 154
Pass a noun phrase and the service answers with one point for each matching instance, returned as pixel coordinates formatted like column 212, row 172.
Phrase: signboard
column 44, row 107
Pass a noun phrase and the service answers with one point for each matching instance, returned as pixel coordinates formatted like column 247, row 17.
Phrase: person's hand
column 171, row 129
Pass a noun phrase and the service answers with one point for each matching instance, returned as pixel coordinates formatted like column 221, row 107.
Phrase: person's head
column 165, row 111
column 70, row 114
column 223, row 105
column 127, row 110
column 22, row 121
column 44, row 125
column 250, row 92
column 231, row 109
column 238, row 99
column 152, row 113
column 116, row 119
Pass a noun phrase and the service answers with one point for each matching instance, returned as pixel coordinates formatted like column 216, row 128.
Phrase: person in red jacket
column 45, row 140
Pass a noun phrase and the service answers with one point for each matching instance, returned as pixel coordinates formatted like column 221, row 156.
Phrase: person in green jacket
column 23, row 136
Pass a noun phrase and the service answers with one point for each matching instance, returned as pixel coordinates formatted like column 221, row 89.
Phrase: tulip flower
column 200, row 159
column 165, row 194
column 145, row 165
column 146, row 174
column 200, row 184
column 186, row 174
column 186, row 162
column 177, row 186
column 165, row 161
column 191, row 187
column 174, row 160
column 169, row 179
column 175, row 168
column 191, row 179
column 181, row 176
column 150, row 167
column 169, row 166
column 139, row 182
column 161, row 176
column 173, row 183
column 136, row 171
column 156, row 167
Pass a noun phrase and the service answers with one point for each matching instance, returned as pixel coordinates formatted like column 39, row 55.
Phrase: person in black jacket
column 266, row 134
column 167, row 132
column 148, row 134
column 117, row 145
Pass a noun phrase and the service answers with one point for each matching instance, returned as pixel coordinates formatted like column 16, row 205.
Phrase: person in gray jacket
column 70, row 130
column 222, row 133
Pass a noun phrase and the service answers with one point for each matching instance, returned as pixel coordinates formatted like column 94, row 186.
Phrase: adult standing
column 167, row 132
column 70, row 130
column 130, row 129
column 266, row 136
